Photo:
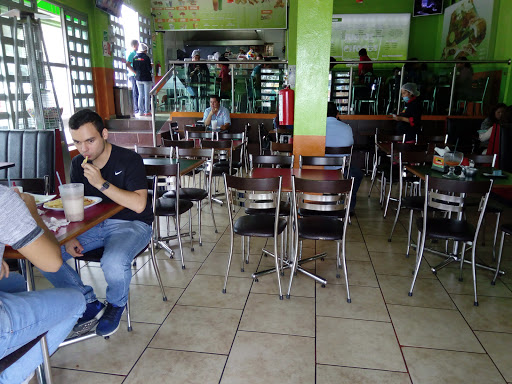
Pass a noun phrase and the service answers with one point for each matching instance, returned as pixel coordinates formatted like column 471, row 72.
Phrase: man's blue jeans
column 122, row 241
column 135, row 94
column 26, row 315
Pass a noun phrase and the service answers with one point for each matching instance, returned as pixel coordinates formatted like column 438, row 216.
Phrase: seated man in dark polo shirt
column 114, row 174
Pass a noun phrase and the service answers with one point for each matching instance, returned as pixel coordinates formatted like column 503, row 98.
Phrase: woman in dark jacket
column 409, row 119
column 143, row 70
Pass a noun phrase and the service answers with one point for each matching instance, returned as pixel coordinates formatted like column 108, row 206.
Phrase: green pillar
column 310, row 31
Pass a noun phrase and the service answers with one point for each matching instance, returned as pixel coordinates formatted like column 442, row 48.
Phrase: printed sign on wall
column 172, row 15
column 467, row 29
column 385, row 36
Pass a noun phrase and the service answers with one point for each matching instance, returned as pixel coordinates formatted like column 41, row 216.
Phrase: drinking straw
column 58, row 177
column 456, row 143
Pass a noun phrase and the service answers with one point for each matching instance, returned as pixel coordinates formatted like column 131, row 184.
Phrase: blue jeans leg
column 135, row 94
column 140, row 87
column 26, row 315
column 14, row 283
column 66, row 276
column 147, row 100
column 123, row 241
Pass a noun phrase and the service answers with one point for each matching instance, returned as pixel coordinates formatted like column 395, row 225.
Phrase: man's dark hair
column 332, row 110
column 134, row 43
column 85, row 116
column 215, row 97
column 259, row 55
column 362, row 52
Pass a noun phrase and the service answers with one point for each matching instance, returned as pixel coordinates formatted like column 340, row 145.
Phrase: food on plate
column 57, row 203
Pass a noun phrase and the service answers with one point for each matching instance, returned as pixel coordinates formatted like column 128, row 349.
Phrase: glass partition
column 446, row 88
column 244, row 86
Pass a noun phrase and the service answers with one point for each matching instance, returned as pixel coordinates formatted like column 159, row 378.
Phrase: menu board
column 176, row 15
column 467, row 29
column 385, row 36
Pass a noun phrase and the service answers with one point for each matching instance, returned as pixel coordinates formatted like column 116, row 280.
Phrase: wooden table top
column 186, row 165
column 286, row 174
column 92, row 216
column 499, row 183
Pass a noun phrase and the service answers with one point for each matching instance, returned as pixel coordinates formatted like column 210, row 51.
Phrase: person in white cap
column 197, row 74
column 409, row 119
column 143, row 75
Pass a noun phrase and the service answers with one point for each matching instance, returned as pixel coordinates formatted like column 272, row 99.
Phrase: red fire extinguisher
column 286, row 99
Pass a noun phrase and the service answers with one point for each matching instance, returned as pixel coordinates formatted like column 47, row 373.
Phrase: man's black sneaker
column 90, row 317
column 109, row 322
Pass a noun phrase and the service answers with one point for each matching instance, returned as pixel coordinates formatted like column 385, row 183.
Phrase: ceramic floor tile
column 359, row 273
column 327, row 374
column 123, row 349
column 353, row 343
column 433, row 328
column 206, row 291
column 450, row 280
column 427, row 292
column 398, row 265
column 147, row 305
column 256, row 244
column 354, row 250
column 498, row 346
column 216, row 264
column 447, row 367
column 379, row 243
column 65, row 376
column 280, row 358
column 266, row 313
column 382, row 228
column 302, row 286
column 170, row 271
column 492, row 313
column 198, row 329
column 367, row 303
column 176, row 367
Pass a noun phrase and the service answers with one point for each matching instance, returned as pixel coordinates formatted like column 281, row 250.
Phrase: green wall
column 99, row 22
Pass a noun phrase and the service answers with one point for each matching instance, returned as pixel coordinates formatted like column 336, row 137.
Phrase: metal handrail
column 509, row 61
column 162, row 81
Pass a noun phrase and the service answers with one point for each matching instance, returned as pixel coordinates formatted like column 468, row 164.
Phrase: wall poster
column 174, row 15
column 467, row 29
column 385, row 36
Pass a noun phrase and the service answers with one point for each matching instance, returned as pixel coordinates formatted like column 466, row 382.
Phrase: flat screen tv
column 427, row 7
column 112, row 7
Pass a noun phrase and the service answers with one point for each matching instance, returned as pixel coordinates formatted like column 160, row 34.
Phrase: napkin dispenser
column 438, row 163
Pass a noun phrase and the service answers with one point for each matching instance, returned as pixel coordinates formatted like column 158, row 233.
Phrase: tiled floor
column 249, row 336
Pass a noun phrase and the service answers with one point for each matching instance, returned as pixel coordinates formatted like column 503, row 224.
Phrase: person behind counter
column 409, row 119
column 364, row 68
column 197, row 74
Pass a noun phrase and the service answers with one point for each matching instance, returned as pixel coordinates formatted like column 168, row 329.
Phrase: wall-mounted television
column 112, row 7
column 427, row 7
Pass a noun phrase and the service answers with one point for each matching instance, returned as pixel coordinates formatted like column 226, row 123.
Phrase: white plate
column 95, row 200
column 40, row 199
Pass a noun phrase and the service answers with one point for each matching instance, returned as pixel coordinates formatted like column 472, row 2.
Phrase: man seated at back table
column 339, row 134
column 216, row 112
column 114, row 174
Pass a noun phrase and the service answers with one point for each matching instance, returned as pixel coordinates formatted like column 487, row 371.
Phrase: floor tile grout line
column 389, row 314
column 166, row 317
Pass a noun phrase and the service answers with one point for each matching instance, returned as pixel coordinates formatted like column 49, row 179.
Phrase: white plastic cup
column 214, row 125
column 72, row 196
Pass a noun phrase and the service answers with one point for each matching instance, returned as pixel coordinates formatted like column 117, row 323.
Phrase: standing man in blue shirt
column 339, row 134
column 131, row 75
column 217, row 112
